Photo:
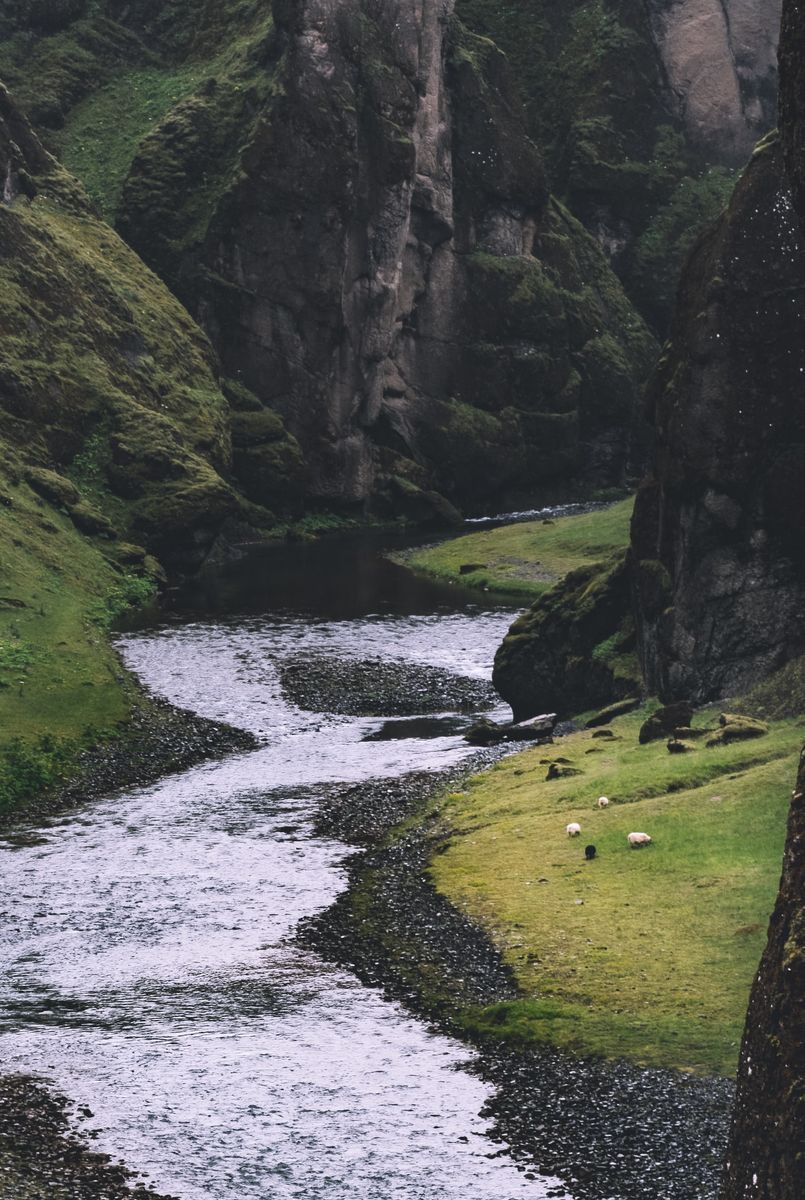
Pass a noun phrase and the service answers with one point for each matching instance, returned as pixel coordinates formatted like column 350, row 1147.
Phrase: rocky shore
column 43, row 1157
column 158, row 739
column 611, row 1130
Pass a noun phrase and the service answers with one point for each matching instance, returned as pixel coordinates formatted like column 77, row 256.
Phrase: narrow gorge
column 288, row 288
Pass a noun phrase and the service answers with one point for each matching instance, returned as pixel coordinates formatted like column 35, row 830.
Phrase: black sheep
column 589, row 853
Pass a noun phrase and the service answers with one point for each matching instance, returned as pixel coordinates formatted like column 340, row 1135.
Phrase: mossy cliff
column 720, row 522
column 644, row 111
column 347, row 200
column 114, row 446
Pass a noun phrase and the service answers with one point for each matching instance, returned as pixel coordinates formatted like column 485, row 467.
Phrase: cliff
column 345, row 197
column 766, row 1157
column 644, row 111
column 720, row 520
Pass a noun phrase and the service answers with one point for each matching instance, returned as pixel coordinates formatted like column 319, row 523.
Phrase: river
column 149, row 969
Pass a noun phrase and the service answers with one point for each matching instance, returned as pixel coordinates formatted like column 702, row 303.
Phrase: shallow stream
column 149, row 969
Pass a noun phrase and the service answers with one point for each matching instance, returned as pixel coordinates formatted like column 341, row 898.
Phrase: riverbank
column 527, row 558
column 43, row 1157
column 608, row 1128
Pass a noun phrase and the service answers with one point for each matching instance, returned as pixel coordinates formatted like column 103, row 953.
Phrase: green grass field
column 529, row 558
column 647, row 954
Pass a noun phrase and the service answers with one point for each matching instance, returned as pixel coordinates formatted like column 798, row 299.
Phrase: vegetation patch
column 526, row 559
column 647, row 954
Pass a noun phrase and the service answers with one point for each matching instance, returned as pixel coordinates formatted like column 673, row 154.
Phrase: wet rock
column 665, row 721
column 489, row 733
column 377, row 688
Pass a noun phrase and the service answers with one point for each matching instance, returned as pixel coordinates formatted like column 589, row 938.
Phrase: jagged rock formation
column 346, row 199
column 109, row 405
column 641, row 108
column 718, row 530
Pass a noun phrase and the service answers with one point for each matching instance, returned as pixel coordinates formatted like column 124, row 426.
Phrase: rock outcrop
column 574, row 648
column 720, row 61
column 718, row 529
column 347, row 201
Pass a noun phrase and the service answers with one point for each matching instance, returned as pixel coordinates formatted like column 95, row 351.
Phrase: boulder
column 665, row 721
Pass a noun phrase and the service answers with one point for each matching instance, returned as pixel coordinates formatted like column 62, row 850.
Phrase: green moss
column 104, row 132
column 530, row 557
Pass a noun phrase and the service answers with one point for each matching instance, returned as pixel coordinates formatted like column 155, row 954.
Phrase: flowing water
column 149, row 969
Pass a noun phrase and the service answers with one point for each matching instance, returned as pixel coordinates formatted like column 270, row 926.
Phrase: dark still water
column 149, row 968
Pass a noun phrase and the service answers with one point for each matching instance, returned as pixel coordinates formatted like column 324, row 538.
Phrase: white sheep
column 573, row 829
column 638, row 839
column 603, row 802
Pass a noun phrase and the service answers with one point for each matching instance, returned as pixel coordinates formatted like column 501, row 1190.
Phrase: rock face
column 720, row 60
column 718, row 530
column 385, row 270
column 643, row 110
column 766, row 1158
column 574, row 648
column 349, row 204
column 109, row 406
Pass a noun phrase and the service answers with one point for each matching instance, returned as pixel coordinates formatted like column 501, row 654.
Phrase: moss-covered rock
column 548, row 660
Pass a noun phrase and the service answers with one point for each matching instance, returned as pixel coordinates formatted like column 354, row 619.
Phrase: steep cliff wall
column 385, row 270
column 718, row 533
column 345, row 198
column 766, row 1156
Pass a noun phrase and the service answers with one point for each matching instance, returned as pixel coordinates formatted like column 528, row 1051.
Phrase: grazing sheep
column 573, row 829
column 603, row 802
column 589, row 853
column 638, row 839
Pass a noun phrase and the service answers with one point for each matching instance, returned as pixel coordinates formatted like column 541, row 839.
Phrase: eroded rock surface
column 718, row 534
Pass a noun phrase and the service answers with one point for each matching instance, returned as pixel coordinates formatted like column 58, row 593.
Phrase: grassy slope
column 104, row 132
column 529, row 558
column 657, row 962
column 61, row 685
